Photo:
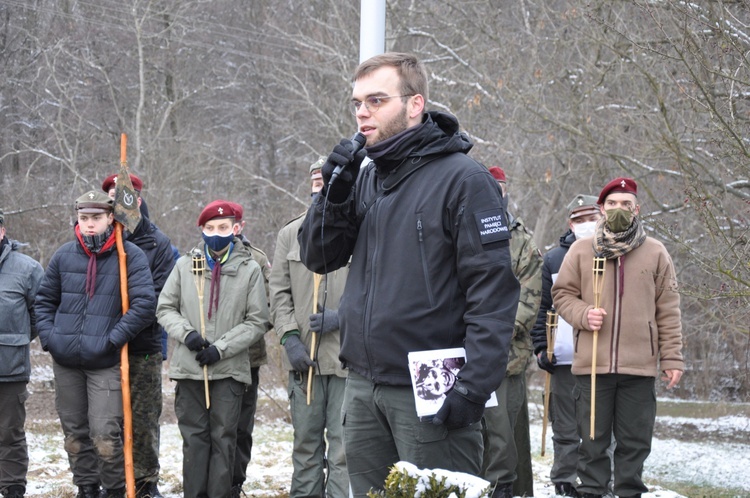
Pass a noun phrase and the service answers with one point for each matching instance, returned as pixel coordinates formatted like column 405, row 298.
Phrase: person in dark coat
column 81, row 324
column 20, row 277
column 582, row 213
column 145, row 351
column 424, row 227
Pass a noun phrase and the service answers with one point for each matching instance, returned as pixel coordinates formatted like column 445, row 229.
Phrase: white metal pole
column 371, row 28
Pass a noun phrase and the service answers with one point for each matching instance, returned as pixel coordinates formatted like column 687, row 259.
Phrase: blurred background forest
column 236, row 98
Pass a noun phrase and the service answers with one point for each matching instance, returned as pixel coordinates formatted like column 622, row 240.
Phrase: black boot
column 88, row 491
column 236, row 491
column 112, row 493
column 566, row 489
column 503, row 490
column 14, row 491
column 146, row 489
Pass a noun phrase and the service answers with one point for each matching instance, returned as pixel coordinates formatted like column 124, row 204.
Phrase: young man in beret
column 258, row 357
column 235, row 315
column 20, row 277
column 640, row 333
column 145, row 353
column 292, row 302
column 79, row 317
column 582, row 214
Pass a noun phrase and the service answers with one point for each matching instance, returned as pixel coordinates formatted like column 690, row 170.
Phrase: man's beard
column 395, row 126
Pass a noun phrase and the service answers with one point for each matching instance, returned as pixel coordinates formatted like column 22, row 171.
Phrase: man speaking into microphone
column 427, row 272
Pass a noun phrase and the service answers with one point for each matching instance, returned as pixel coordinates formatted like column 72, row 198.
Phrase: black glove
column 324, row 325
column 195, row 342
column 544, row 363
column 457, row 411
column 342, row 156
column 297, row 354
column 208, row 356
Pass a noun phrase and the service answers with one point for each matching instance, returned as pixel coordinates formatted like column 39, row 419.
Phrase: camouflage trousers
column 145, row 399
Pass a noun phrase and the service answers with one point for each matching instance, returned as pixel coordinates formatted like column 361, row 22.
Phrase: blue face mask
column 217, row 242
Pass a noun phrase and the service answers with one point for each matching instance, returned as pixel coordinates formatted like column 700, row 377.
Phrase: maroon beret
column 625, row 185
column 217, row 209
column 109, row 182
column 498, row 173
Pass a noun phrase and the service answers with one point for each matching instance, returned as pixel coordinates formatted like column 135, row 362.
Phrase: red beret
column 625, row 185
column 498, row 173
column 109, row 182
column 238, row 211
column 217, row 209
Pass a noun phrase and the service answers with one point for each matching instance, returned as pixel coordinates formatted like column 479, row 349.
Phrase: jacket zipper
column 371, row 291
column 423, row 254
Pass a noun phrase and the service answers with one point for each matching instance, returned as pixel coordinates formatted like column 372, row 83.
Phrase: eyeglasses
column 373, row 102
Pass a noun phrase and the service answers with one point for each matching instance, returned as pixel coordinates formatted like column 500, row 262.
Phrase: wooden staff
column 199, row 268
column 551, row 332
column 127, row 411
column 598, row 270
column 316, row 283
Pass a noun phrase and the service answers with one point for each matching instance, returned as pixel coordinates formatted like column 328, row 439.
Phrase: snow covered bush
column 407, row 481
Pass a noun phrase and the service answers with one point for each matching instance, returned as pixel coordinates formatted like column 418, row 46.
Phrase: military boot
column 112, row 493
column 566, row 489
column 14, row 491
column 146, row 489
column 88, row 491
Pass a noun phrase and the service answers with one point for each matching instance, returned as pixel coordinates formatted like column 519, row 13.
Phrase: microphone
column 358, row 141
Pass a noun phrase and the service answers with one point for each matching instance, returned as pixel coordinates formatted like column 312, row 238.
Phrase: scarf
column 611, row 245
column 215, row 265
column 105, row 241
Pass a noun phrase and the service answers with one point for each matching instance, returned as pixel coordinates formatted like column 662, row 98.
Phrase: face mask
column 217, row 242
column 618, row 219
column 586, row 229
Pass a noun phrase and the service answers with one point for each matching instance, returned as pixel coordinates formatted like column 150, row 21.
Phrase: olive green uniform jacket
column 240, row 320
column 291, row 286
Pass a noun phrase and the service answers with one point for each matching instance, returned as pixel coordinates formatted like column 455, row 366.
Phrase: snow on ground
column 717, row 453
column 707, row 463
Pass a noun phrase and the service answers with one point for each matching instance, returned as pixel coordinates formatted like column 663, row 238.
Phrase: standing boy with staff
column 81, row 324
column 425, row 229
column 582, row 214
column 640, row 333
column 212, row 343
column 296, row 317
column 145, row 352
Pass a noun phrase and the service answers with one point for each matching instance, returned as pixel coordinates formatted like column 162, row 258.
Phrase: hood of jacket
column 438, row 135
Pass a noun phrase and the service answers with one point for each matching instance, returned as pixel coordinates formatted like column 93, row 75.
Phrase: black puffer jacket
column 552, row 262
column 158, row 250
column 430, row 264
column 83, row 332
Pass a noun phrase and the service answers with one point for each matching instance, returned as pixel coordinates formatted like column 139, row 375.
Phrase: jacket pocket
column 651, row 337
column 13, row 351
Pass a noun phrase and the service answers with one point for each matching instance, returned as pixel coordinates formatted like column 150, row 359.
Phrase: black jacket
column 83, row 332
column 552, row 262
column 430, row 264
column 158, row 250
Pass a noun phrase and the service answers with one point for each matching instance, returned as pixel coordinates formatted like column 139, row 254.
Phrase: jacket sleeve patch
column 492, row 226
